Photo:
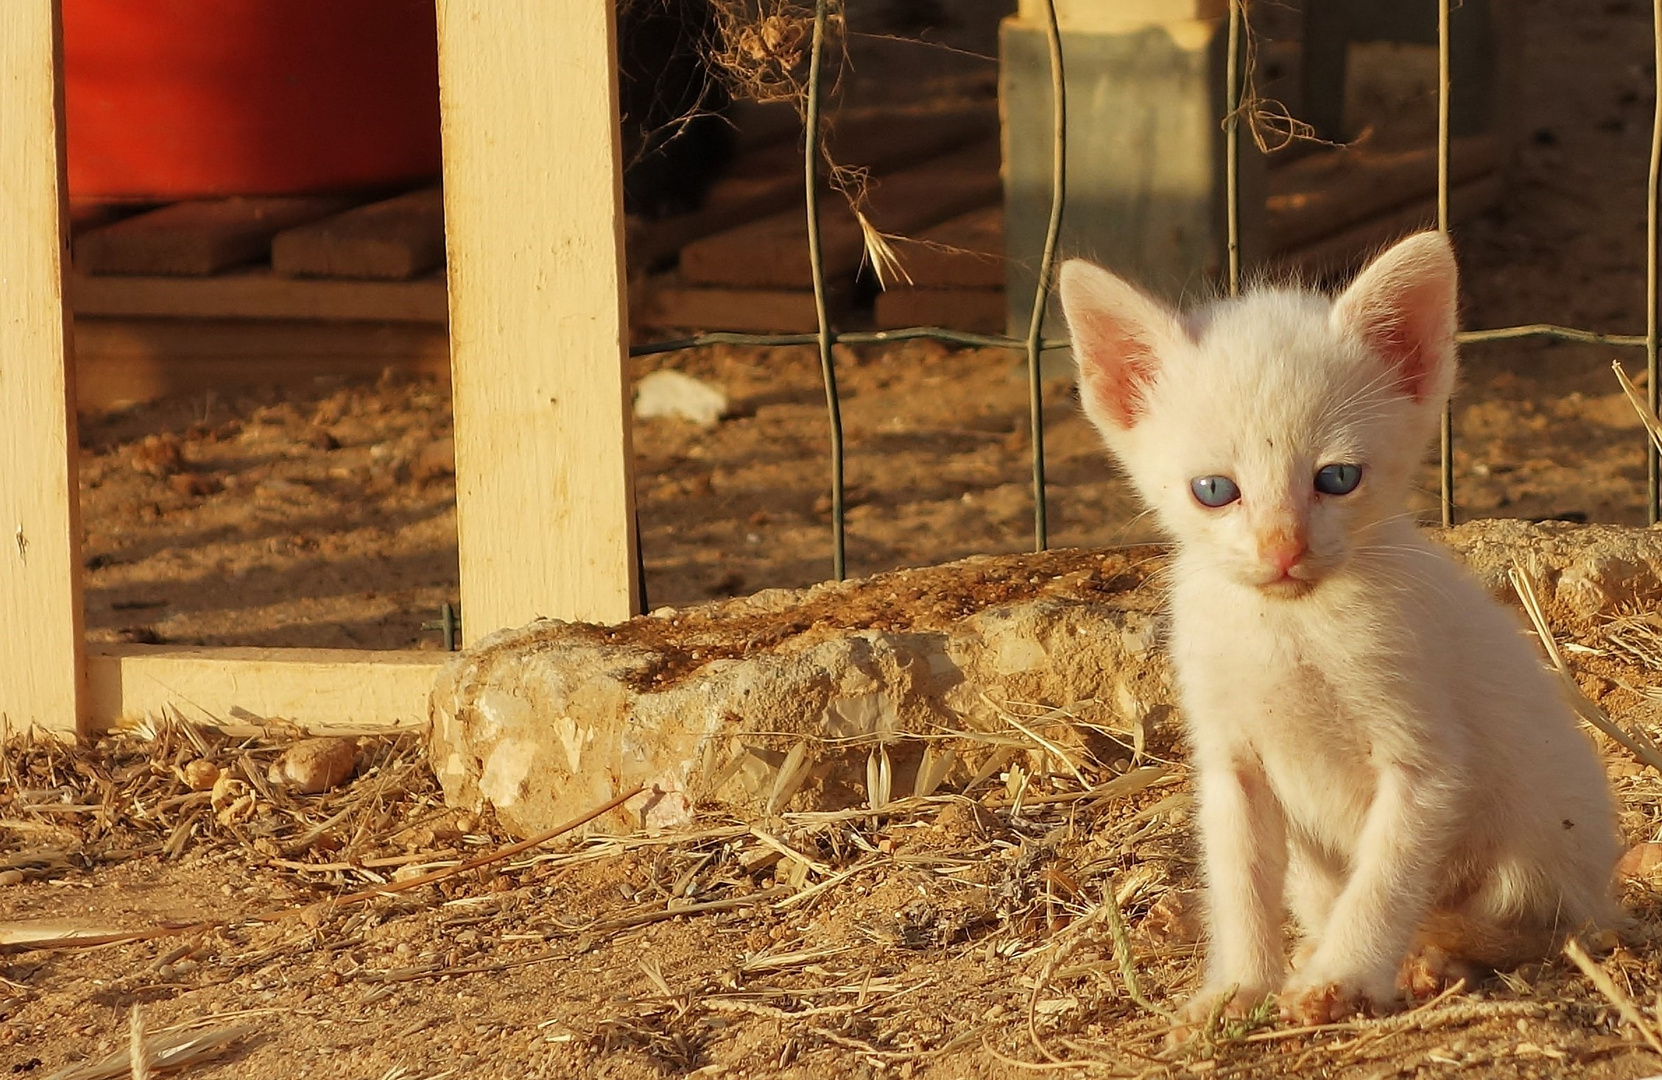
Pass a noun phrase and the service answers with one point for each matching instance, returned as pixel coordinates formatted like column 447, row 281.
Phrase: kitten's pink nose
column 1284, row 551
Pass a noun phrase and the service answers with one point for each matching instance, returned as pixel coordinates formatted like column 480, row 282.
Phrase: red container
column 174, row 99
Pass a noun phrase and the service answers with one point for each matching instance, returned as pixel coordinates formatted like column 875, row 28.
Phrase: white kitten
column 1376, row 746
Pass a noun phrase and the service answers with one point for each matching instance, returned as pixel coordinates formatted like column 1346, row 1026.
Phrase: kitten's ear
column 1118, row 334
column 1403, row 306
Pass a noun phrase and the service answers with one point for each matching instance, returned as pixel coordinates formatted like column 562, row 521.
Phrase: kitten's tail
column 1484, row 941
column 1492, row 943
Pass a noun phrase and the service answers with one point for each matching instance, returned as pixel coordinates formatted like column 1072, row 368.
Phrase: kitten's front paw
column 1211, row 1004
column 1313, row 1004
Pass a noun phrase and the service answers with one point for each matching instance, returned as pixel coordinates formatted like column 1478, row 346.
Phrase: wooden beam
column 768, row 180
column 979, row 310
column 534, row 218
column 773, row 252
column 258, row 294
column 121, row 362
column 197, row 237
column 1330, row 190
column 966, row 252
column 1344, row 252
column 240, row 691
column 41, row 650
column 665, row 302
column 393, row 240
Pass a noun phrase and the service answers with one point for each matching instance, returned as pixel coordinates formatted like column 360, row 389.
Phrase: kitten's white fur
column 1376, row 745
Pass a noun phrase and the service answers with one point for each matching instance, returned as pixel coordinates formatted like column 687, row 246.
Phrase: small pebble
column 1641, row 861
column 316, row 765
column 278, row 489
column 157, row 455
column 1175, row 919
column 201, row 774
column 192, row 485
column 227, row 790
column 434, row 460
column 670, row 393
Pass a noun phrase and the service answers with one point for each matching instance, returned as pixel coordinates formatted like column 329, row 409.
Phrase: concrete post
column 1145, row 173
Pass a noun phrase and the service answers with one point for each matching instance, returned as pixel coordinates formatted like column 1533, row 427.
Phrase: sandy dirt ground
column 327, row 518
column 948, row 941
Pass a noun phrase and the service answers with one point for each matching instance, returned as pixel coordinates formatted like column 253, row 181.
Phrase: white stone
column 547, row 721
column 718, row 736
column 677, row 395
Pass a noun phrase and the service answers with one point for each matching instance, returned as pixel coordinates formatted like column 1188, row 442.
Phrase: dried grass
column 130, row 797
column 1028, row 897
column 162, row 1052
column 1607, row 986
column 760, row 49
column 1653, row 425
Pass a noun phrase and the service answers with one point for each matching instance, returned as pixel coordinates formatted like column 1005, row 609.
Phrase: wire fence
column 1237, row 102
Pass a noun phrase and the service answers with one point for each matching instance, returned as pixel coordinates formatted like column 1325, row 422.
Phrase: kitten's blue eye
column 1214, row 491
column 1338, row 479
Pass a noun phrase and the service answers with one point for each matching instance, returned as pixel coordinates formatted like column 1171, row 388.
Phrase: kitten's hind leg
column 1429, row 970
column 1452, row 945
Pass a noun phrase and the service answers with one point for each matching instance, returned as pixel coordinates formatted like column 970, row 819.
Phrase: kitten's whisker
column 1410, row 581
column 1121, row 533
column 1409, row 576
column 1402, row 515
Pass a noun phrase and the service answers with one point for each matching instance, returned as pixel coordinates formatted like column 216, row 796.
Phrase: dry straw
column 164, row 1051
column 1653, row 425
column 54, row 936
column 1636, row 741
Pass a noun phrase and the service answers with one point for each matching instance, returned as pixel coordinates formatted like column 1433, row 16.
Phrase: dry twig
column 1613, row 993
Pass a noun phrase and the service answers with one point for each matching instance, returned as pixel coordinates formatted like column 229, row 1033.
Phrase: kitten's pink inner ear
column 1403, row 306
column 1117, row 334
column 1413, row 335
column 1115, row 366
column 1400, row 346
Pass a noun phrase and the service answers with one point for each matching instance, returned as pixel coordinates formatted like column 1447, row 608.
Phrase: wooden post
column 533, row 204
column 41, row 651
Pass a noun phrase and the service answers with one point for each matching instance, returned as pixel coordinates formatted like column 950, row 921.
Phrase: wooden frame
column 337, row 691
column 42, row 651
column 533, row 207
column 538, row 358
